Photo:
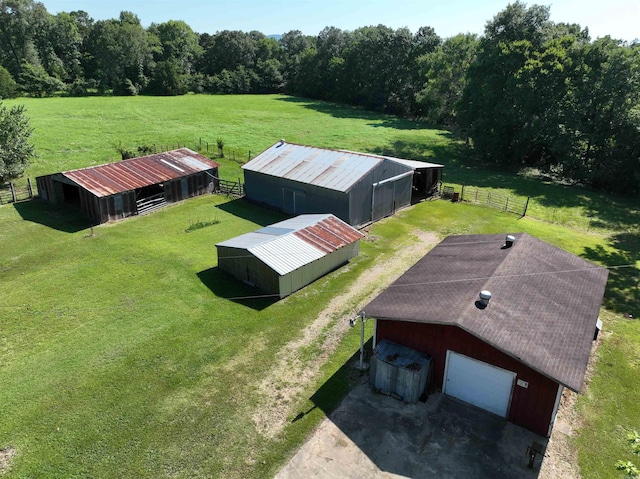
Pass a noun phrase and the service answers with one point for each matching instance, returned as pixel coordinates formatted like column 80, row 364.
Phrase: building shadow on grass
column 258, row 214
column 623, row 285
column 372, row 434
column 60, row 217
column 225, row 286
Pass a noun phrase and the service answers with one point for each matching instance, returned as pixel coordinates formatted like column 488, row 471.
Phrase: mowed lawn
column 125, row 353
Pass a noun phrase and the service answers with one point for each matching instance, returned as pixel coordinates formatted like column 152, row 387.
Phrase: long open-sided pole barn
column 284, row 257
column 358, row 188
column 130, row 187
column 507, row 323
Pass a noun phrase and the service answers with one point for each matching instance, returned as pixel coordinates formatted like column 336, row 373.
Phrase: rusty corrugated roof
column 290, row 244
column 127, row 175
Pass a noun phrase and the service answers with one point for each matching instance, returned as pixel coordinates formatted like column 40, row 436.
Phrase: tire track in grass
column 292, row 374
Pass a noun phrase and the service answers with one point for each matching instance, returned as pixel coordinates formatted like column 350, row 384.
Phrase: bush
column 8, row 86
column 125, row 88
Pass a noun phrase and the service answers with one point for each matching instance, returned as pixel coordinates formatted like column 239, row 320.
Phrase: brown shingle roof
column 544, row 307
column 127, row 175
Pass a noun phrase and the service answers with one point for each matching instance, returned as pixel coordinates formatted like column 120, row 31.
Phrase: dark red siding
column 531, row 407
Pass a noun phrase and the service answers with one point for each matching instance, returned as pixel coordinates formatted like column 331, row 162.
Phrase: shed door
column 478, row 383
column 384, row 201
column 288, row 201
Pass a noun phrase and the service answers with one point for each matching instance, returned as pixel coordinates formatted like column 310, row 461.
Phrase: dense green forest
column 527, row 93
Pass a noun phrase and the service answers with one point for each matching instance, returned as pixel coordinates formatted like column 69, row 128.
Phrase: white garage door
column 478, row 383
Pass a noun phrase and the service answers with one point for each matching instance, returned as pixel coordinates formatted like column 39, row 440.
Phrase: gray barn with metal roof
column 358, row 188
column 130, row 187
column 282, row 258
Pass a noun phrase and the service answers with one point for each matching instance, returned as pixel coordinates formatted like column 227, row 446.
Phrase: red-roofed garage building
column 130, row 187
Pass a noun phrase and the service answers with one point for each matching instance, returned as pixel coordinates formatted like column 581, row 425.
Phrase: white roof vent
column 483, row 302
column 508, row 241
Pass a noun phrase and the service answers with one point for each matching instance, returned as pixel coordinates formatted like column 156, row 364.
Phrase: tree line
column 527, row 93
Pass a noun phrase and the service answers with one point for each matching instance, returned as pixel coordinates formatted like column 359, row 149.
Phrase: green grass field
column 121, row 354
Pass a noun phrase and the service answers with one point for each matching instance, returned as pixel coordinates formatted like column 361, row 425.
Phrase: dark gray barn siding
column 307, row 199
column 353, row 206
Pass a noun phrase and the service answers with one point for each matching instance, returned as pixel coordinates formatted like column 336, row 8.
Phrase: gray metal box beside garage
column 399, row 370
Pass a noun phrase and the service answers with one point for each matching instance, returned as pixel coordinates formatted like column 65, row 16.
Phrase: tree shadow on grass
column 60, row 217
column 623, row 286
column 604, row 210
column 258, row 214
column 446, row 152
column 338, row 110
column 225, row 286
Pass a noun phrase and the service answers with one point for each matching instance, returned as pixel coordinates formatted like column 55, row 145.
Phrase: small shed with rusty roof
column 284, row 257
column 358, row 188
column 130, row 187
column 508, row 323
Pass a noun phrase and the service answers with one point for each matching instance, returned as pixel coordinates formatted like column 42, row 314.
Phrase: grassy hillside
column 77, row 132
column 120, row 352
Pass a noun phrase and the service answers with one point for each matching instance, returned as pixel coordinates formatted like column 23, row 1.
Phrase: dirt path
column 291, row 375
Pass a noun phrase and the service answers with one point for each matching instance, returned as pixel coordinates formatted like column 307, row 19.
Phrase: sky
column 618, row 18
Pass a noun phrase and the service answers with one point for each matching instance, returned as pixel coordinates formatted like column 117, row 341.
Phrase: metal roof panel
column 332, row 169
column 290, row 244
column 285, row 254
column 127, row 175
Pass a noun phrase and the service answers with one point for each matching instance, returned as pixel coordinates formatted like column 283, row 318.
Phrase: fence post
column 200, row 147
column 462, row 194
column 13, row 191
column 526, row 205
column 249, row 156
column 506, row 205
column 30, row 187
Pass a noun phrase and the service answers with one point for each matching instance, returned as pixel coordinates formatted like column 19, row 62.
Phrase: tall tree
column 16, row 35
column 119, row 50
column 377, row 69
column 226, row 50
column 606, row 119
column 491, row 106
column 330, row 46
column 294, row 47
column 178, row 43
column 16, row 151
column 443, row 72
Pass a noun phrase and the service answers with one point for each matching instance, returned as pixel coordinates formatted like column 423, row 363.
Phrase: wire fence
column 16, row 191
column 239, row 155
column 494, row 199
